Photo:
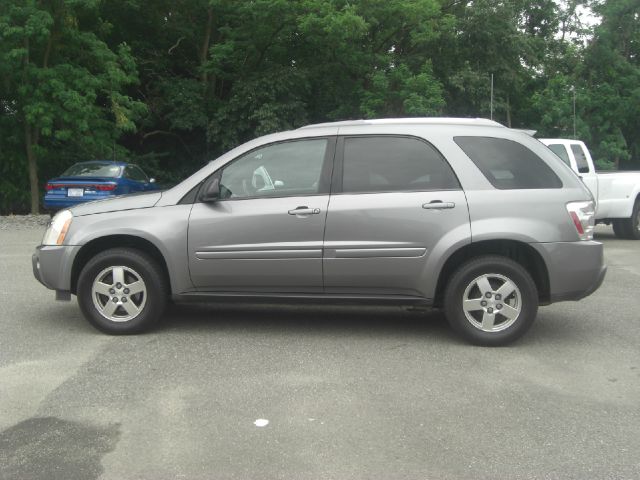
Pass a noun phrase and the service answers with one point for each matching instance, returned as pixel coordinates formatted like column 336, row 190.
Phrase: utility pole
column 491, row 102
column 573, row 88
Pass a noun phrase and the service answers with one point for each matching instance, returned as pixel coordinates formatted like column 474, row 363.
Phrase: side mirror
column 152, row 180
column 278, row 183
column 211, row 191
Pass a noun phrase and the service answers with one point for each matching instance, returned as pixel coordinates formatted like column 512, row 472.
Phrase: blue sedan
column 96, row 180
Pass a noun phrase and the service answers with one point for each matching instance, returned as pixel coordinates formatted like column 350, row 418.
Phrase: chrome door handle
column 438, row 205
column 304, row 211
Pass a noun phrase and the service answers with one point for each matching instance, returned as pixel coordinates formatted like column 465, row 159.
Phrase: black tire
column 629, row 227
column 504, row 330
column 620, row 228
column 152, row 301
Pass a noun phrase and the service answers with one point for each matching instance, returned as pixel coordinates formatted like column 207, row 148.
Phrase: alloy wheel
column 492, row 302
column 119, row 293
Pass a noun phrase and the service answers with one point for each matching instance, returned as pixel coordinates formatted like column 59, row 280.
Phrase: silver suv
column 467, row 215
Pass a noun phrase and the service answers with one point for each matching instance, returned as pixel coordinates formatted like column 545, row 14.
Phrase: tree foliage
column 63, row 85
column 173, row 83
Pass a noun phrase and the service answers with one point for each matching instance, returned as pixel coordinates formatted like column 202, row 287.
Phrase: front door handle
column 438, row 205
column 304, row 211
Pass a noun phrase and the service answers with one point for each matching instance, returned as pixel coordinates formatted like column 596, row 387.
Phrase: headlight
column 58, row 228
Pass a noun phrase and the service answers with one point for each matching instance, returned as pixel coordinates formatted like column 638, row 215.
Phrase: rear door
column 265, row 233
column 395, row 198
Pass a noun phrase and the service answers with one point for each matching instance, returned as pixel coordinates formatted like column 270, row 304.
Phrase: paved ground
column 349, row 393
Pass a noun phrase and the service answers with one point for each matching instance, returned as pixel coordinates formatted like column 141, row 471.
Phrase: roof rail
column 409, row 121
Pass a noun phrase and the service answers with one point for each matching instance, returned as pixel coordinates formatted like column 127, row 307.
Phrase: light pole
column 573, row 90
column 491, row 101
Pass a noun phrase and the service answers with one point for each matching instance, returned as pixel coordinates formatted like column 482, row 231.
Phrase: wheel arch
column 100, row 244
column 520, row 252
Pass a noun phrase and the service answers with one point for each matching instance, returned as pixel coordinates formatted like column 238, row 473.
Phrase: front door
column 265, row 233
column 396, row 200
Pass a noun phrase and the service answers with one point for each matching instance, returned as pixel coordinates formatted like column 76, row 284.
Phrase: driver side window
column 277, row 170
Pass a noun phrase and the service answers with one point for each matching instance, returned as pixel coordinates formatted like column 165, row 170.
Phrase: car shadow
column 306, row 319
column 354, row 321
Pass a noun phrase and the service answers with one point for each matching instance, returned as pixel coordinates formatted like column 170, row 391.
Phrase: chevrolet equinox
column 466, row 215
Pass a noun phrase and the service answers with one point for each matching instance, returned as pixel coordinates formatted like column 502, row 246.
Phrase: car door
column 265, row 232
column 395, row 198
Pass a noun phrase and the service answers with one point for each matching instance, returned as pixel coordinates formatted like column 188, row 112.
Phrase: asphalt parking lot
column 348, row 393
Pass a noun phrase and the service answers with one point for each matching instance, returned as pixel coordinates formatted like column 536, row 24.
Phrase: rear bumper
column 576, row 269
column 52, row 266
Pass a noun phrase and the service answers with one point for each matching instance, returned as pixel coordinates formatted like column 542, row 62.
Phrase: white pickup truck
column 617, row 194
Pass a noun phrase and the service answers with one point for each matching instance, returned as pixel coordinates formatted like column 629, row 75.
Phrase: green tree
column 611, row 73
column 62, row 84
column 215, row 73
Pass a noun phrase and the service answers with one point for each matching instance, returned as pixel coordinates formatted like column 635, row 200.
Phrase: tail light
column 583, row 215
column 105, row 188
column 51, row 186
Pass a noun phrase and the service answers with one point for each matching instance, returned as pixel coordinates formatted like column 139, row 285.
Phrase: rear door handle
column 304, row 211
column 438, row 205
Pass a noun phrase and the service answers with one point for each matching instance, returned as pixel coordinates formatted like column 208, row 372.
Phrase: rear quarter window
column 508, row 165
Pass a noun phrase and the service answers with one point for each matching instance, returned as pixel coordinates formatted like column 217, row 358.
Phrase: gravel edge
column 23, row 222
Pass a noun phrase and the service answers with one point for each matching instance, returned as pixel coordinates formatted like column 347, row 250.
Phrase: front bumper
column 52, row 266
column 576, row 269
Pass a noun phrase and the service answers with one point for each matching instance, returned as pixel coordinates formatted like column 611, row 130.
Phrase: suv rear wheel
column 491, row 300
column 122, row 291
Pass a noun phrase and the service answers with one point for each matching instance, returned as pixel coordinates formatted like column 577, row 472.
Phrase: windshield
column 92, row 170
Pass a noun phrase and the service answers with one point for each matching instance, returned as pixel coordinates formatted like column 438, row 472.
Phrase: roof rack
column 409, row 121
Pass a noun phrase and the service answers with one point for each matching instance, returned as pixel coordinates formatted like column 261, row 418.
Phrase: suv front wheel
column 122, row 291
column 491, row 300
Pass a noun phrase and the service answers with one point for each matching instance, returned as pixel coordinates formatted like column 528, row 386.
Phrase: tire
column 134, row 279
column 629, row 228
column 620, row 228
column 488, row 324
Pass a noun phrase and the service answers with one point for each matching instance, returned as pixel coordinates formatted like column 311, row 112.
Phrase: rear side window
column 394, row 164
column 581, row 158
column 560, row 151
column 507, row 164
column 134, row 173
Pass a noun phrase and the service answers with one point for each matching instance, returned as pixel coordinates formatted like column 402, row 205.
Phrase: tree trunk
column 30, row 139
column 508, row 112
column 33, row 169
